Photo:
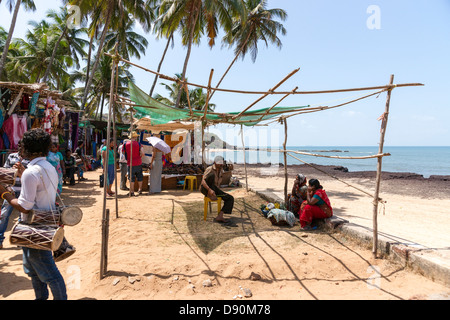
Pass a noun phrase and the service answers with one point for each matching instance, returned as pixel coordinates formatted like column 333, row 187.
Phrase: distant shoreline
column 428, row 162
column 340, row 170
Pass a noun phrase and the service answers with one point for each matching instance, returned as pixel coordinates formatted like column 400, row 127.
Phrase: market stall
column 26, row 106
column 179, row 163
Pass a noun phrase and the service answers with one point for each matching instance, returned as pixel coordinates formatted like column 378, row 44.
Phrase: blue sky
column 334, row 48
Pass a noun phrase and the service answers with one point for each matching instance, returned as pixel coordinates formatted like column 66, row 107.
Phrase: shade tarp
column 161, row 113
column 145, row 124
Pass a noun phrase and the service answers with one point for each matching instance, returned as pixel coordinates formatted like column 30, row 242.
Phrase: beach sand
column 160, row 247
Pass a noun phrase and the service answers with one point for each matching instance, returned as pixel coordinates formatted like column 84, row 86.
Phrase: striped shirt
column 14, row 158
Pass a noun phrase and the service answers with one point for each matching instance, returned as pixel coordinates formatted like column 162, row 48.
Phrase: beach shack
column 25, row 106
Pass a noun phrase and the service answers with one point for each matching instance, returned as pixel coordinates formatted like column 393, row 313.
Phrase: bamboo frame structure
column 283, row 118
column 245, row 162
column 379, row 165
column 270, row 92
column 105, row 215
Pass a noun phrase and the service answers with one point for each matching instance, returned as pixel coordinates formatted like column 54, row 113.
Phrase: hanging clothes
column 47, row 122
column 33, row 103
column 25, row 102
column 15, row 127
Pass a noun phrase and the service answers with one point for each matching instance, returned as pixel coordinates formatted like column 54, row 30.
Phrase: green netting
column 161, row 113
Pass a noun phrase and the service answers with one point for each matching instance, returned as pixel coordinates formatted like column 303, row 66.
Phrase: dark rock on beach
column 403, row 183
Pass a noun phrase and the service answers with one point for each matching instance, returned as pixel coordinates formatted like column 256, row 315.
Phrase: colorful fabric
column 281, row 216
column 55, row 160
column 316, row 211
column 15, row 127
column 137, row 160
column 309, row 213
column 110, row 156
column 33, row 103
column 323, row 195
column 161, row 113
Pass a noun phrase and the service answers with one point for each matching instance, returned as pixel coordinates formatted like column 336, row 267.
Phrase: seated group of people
column 308, row 201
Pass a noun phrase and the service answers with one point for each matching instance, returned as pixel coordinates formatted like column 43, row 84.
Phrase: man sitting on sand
column 210, row 188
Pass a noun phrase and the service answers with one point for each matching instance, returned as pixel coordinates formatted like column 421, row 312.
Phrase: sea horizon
column 423, row 160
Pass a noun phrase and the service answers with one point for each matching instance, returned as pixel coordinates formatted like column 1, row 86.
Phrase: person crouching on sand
column 298, row 194
column 210, row 188
column 316, row 206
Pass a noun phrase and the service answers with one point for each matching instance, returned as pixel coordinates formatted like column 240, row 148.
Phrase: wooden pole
column 245, row 160
column 379, row 164
column 285, row 161
column 115, row 139
column 105, row 216
column 131, row 152
column 203, row 144
column 279, row 101
column 208, row 95
column 268, row 93
column 104, row 253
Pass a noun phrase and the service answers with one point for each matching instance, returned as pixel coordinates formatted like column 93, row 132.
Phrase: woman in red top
column 316, row 206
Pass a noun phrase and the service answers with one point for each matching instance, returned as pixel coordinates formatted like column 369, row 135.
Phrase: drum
column 64, row 251
column 71, row 216
column 43, row 217
column 8, row 176
column 37, row 237
column 78, row 161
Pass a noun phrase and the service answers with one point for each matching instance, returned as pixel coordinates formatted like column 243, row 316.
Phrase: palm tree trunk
column 234, row 60
column 10, row 34
column 188, row 54
column 99, row 53
column 160, row 64
column 47, row 72
column 101, row 109
column 88, row 68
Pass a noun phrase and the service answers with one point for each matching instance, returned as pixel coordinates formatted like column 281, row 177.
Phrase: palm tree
column 197, row 97
column 169, row 40
column 194, row 17
column 130, row 43
column 102, row 85
column 158, row 30
column 29, row 5
column 107, row 13
column 36, row 50
column 71, row 35
column 258, row 26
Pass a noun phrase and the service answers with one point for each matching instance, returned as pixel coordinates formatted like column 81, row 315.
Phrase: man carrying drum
column 39, row 186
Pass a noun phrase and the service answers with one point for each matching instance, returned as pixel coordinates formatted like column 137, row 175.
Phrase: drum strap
column 42, row 179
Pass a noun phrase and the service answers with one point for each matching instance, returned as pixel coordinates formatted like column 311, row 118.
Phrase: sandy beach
column 160, row 247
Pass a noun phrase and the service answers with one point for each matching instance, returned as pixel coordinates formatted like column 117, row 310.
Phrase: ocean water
column 426, row 161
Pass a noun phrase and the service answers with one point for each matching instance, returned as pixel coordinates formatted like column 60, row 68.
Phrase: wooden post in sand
column 104, row 249
column 285, row 162
column 105, row 215
column 113, row 101
column 384, row 119
column 245, row 160
column 131, row 152
column 203, row 144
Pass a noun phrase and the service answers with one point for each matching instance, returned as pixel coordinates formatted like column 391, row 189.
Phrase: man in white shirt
column 39, row 186
column 123, row 167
